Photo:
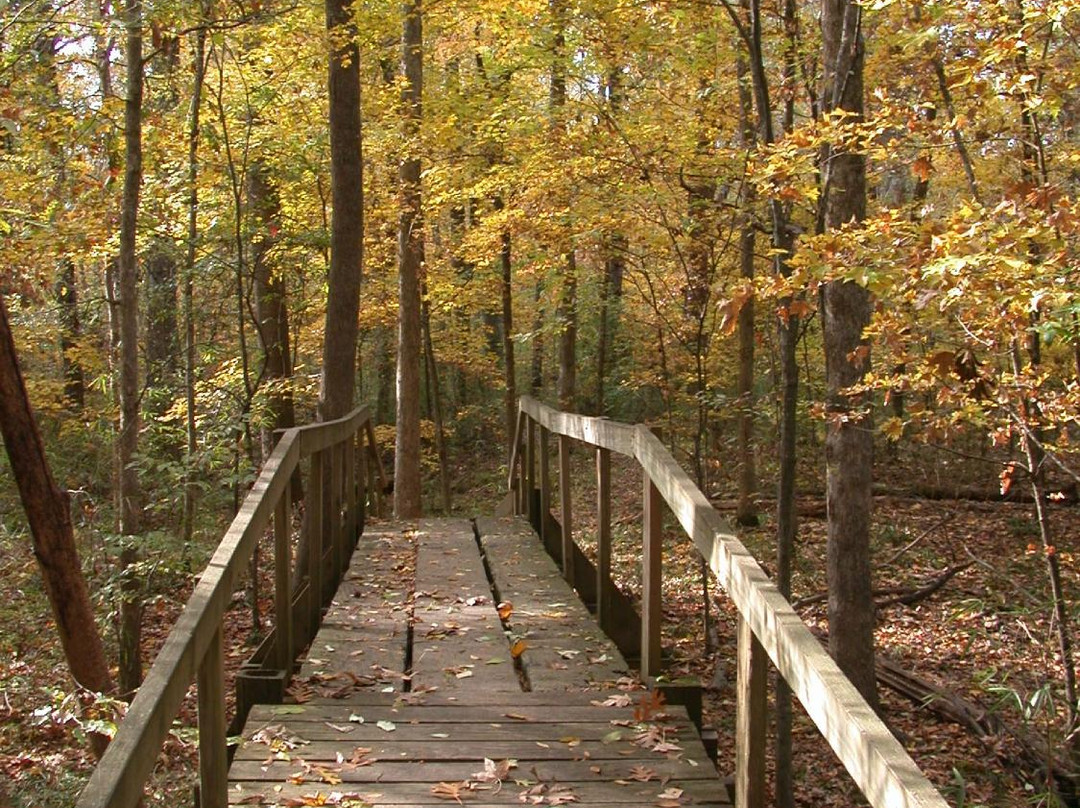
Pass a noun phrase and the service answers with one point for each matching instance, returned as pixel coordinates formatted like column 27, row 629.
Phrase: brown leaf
column 453, row 791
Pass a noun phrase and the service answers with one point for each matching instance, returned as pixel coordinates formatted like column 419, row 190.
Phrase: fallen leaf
column 518, row 648
column 453, row 791
column 505, row 609
column 642, row 773
column 386, row 726
column 339, row 727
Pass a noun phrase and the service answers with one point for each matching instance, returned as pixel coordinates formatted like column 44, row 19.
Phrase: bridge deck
column 457, row 667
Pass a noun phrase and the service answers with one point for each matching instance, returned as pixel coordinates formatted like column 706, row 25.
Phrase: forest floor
column 986, row 636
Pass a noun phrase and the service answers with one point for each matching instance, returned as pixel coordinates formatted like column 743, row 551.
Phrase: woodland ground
column 986, row 635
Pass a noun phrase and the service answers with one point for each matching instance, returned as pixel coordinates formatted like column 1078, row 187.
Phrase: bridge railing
column 343, row 461
column 768, row 626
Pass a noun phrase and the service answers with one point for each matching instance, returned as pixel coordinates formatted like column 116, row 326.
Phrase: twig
column 893, row 559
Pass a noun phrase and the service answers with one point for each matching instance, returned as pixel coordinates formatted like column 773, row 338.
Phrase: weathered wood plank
column 629, row 792
column 565, row 649
column 595, row 431
column 524, row 712
column 458, row 640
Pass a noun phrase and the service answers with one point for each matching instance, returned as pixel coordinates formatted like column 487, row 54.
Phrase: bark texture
column 127, row 443
column 846, row 313
column 47, row 513
column 347, row 225
column 407, row 503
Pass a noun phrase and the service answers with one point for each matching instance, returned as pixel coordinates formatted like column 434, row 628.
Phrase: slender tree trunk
column 188, row 293
column 536, row 375
column 566, row 308
column 131, row 497
column 506, row 293
column 407, row 501
column 67, row 298
column 567, row 318
column 845, row 314
column 746, row 513
column 436, row 404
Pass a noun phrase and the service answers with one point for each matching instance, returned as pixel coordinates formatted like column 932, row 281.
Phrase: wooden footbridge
column 448, row 661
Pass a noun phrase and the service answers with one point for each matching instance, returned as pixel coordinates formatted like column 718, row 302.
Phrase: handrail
column 879, row 765
column 193, row 647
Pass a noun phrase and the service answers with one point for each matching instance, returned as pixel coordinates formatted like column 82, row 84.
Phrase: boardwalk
column 455, row 664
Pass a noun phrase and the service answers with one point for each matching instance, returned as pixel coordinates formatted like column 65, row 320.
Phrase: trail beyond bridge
column 450, row 661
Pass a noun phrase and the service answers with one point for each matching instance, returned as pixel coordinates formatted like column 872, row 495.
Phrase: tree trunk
column 271, row 309
column 67, row 298
column 161, row 325
column 506, row 293
column 188, row 293
column 131, row 504
column 567, row 318
column 47, row 513
column 846, row 312
column 338, row 379
column 436, row 404
column 407, row 504
column 746, row 513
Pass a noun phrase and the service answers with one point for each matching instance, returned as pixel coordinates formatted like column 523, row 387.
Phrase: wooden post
column 363, row 481
column 376, row 476
column 530, row 467
column 751, row 719
column 603, row 538
column 545, row 487
column 337, row 529
column 566, row 510
column 314, row 539
column 350, row 496
column 282, row 586
column 651, row 579
column 213, row 751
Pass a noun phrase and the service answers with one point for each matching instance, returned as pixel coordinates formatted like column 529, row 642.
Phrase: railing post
column 652, row 578
column 530, row 467
column 545, row 487
column 603, row 538
column 314, row 512
column 350, row 495
column 337, row 529
column 566, row 510
column 751, row 713
column 282, row 586
column 213, row 751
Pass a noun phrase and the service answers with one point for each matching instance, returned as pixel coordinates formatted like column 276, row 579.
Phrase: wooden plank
column 595, row 431
column 522, row 749
column 467, row 732
column 283, row 580
column 566, row 510
column 213, row 752
column 458, row 640
column 564, row 648
column 652, row 609
column 751, row 722
column 366, row 627
column 319, row 436
column 407, row 771
column 604, row 584
column 530, row 467
column 545, row 488
column 630, row 792
column 313, row 535
column 524, row 713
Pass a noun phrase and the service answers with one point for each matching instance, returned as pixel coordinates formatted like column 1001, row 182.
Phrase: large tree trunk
column 161, row 325
column 47, row 512
column 846, row 313
column 566, row 308
column 410, row 261
column 131, row 504
column 347, row 226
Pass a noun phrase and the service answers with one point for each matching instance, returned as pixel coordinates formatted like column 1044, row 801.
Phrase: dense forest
column 830, row 248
